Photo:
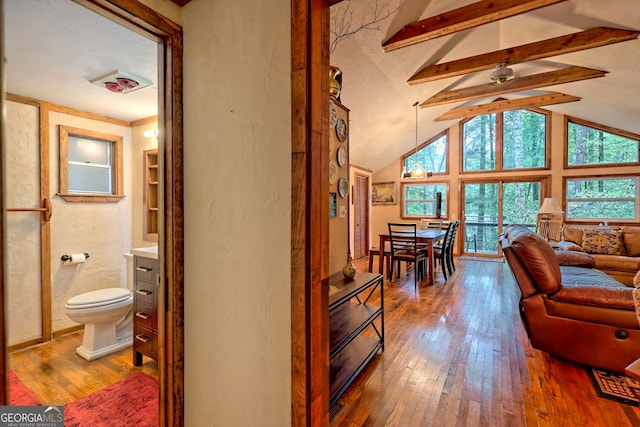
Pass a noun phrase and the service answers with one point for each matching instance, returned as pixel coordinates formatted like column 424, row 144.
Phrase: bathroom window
column 90, row 166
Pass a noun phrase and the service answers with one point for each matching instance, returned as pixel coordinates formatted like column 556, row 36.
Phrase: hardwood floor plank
column 57, row 375
column 456, row 354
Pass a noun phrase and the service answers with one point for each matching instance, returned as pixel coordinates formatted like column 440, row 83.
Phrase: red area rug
column 615, row 386
column 130, row 402
column 19, row 394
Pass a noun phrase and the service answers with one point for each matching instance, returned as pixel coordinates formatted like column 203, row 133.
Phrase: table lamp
column 549, row 210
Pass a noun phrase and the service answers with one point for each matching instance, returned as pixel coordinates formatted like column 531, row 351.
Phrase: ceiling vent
column 502, row 74
column 121, row 82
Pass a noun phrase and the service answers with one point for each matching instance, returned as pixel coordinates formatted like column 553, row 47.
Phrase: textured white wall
column 237, row 177
column 101, row 229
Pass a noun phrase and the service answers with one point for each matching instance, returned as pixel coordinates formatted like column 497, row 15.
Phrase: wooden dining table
column 427, row 236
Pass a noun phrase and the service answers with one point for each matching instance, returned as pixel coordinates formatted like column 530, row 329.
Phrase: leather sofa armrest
column 566, row 245
column 576, row 259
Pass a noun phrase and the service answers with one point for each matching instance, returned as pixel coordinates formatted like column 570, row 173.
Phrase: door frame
column 545, row 190
column 145, row 21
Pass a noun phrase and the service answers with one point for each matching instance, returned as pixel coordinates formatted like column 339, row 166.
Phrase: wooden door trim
column 45, row 226
column 309, row 213
column 367, row 178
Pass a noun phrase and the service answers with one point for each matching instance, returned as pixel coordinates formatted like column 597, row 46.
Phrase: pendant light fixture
column 415, row 171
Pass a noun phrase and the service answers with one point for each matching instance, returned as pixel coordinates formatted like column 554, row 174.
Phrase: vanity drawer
column 145, row 341
column 144, row 293
column 144, row 315
column 145, row 269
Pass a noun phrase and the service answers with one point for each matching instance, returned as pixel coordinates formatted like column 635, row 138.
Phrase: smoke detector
column 121, row 82
column 502, row 74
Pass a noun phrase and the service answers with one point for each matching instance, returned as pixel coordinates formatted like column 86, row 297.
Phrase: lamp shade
column 550, row 206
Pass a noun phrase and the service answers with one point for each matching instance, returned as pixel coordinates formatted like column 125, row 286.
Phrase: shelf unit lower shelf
column 356, row 328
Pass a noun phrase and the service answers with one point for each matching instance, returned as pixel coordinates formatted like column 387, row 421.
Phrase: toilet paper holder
column 68, row 257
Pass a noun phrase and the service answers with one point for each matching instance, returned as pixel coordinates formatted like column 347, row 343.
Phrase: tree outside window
column 505, row 141
column 419, row 200
column 589, row 145
column 432, row 155
column 602, row 198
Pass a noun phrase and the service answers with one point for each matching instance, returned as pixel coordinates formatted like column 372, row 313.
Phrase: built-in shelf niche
column 150, row 200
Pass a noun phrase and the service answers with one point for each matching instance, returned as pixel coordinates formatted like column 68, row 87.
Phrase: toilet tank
column 129, row 260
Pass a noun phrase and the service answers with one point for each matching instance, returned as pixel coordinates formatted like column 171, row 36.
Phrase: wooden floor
column 57, row 375
column 456, row 355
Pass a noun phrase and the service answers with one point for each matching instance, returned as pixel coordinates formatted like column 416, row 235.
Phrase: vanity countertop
column 150, row 252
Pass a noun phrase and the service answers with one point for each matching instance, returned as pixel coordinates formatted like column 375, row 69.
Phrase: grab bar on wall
column 45, row 209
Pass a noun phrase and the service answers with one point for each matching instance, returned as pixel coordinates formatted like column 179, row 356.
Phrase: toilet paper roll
column 78, row 258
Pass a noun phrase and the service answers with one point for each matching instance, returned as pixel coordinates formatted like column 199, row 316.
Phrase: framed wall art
column 383, row 193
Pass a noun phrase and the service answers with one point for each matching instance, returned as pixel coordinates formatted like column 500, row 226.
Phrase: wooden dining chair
column 444, row 252
column 405, row 248
column 384, row 258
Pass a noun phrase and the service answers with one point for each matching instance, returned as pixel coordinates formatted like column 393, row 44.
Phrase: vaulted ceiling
column 575, row 57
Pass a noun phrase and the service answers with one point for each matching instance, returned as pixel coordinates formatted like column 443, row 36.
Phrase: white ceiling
column 376, row 91
column 54, row 47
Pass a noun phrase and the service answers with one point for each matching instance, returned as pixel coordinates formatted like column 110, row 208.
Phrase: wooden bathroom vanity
column 145, row 304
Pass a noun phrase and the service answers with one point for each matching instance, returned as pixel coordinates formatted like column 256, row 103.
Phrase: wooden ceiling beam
column 534, row 81
column 595, row 37
column 508, row 105
column 460, row 19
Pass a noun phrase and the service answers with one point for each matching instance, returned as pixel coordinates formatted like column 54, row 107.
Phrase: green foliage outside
column 433, row 157
column 589, row 146
column 524, row 140
column 520, row 204
column 602, row 198
column 420, row 199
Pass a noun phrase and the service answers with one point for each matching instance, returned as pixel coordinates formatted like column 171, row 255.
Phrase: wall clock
column 341, row 130
column 343, row 187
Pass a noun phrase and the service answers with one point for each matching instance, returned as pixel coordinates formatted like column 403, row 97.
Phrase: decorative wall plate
column 341, row 130
column 333, row 172
column 342, row 156
column 333, row 113
column 343, row 187
column 331, row 146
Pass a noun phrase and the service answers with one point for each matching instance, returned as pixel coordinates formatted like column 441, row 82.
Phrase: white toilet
column 107, row 315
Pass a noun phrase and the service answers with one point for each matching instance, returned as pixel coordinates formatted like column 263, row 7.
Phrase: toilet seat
column 98, row 298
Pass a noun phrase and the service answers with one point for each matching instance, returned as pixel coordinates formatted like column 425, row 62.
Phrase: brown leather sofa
column 616, row 249
column 569, row 309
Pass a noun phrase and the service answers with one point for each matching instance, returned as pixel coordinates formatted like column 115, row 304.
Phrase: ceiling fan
column 502, row 74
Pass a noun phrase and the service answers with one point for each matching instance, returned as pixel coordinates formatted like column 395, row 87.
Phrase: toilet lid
column 99, row 297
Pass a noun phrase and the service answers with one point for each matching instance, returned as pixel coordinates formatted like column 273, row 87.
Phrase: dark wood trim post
column 309, row 213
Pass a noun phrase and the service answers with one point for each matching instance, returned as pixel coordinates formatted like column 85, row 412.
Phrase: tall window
column 602, row 198
column 524, row 138
column 588, row 144
column 479, row 143
column 510, row 140
column 419, row 199
column 432, row 155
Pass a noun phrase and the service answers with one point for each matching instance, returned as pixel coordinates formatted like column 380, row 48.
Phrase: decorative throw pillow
column 602, row 241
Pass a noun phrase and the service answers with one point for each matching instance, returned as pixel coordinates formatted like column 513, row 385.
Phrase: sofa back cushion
column 631, row 237
column 602, row 240
column 536, row 256
column 572, row 234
